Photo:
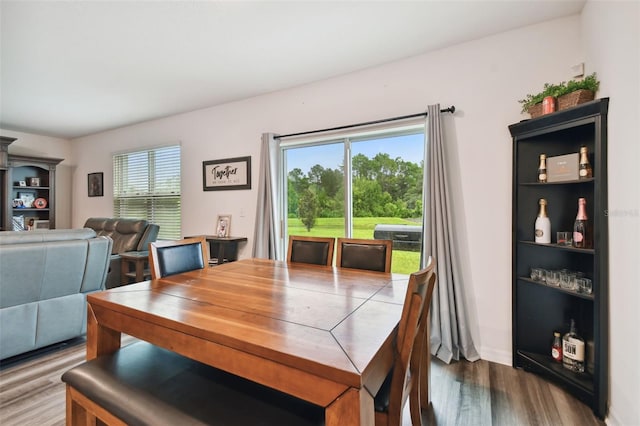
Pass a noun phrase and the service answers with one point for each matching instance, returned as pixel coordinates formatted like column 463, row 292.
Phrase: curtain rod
column 451, row 109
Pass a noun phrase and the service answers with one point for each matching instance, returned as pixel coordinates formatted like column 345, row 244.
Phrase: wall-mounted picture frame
column 226, row 174
column 223, row 226
column 95, row 184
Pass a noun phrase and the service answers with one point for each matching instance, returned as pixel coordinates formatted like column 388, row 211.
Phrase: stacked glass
column 563, row 278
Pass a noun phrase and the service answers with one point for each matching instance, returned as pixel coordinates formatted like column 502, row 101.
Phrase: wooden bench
column 142, row 384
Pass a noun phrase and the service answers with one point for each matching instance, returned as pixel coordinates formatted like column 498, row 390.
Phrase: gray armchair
column 127, row 235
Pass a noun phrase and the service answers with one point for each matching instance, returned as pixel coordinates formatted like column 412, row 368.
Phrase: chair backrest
column 373, row 255
column 173, row 257
column 410, row 343
column 313, row 250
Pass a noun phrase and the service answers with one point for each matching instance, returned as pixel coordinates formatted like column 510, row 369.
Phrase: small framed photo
column 17, row 223
column 34, row 181
column 223, row 227
column 95, row 184
column 22, row 183
column 27, row 199
column 40, row 224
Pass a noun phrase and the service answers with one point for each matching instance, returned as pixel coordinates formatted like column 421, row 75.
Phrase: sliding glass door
column 358, row 186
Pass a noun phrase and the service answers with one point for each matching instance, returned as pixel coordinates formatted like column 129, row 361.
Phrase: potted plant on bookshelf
column 567, row 94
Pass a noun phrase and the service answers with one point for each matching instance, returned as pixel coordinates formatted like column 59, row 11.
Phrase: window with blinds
column 146, row 185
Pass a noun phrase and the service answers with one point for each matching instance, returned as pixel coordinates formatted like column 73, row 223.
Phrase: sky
column 407, row 147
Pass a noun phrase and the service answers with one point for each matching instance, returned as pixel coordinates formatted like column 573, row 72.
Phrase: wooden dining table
column 323, row 334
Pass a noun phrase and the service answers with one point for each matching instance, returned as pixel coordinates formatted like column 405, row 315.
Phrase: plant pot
column 569, row 100
column 535, row 110
column 575, row 98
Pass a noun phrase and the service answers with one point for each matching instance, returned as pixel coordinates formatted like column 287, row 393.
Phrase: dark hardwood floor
column 463, row 393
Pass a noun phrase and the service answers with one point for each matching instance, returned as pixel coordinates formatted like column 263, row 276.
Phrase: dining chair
column 373, row 255
column 409, row 377
column 173, row 257
column 313, row 250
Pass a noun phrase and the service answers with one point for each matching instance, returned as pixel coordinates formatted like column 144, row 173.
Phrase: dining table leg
column 353, row 408
column 100, row 339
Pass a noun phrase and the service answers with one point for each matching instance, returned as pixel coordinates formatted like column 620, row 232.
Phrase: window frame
column 346, row 137
column 153, row 196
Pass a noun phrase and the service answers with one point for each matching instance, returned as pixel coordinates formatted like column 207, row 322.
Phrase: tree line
column 382, row 187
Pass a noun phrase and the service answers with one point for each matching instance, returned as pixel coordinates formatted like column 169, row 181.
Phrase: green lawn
column 402, row 262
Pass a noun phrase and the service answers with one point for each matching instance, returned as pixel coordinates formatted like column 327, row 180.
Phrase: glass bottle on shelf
column 584, row 171
column 543, row 224
column 573, row 350
column 580, row 236
column 556, row 347
column 542, row 168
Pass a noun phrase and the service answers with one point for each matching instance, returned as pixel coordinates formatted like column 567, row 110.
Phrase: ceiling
column 74, row 68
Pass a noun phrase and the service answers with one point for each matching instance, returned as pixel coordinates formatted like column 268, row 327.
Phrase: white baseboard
column 497, row 356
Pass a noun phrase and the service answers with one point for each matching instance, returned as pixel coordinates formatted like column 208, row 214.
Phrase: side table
column 222, row 249
column 140, row 261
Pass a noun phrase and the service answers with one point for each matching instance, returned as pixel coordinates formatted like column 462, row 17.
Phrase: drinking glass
column 564, row 238
column 537, row 274
column 567, row 280
column 553, row 278
column 585, row 285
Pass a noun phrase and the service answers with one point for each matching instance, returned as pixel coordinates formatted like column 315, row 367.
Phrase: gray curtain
column 450, row 335
column 267, row 228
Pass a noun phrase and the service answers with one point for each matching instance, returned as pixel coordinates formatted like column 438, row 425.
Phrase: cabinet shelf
column 582, row 382
column 555, row 288
column 27, row 188
column 565, row 182
column 558, row 247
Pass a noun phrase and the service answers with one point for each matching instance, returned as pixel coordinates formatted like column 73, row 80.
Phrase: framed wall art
column 226, row 174
column 95, row 184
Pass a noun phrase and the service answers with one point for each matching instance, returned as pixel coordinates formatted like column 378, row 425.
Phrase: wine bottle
column 543, row 224
column 556, row 347
column 584, row 171
column 542, row 168
column 573, row 350
column 580, row 236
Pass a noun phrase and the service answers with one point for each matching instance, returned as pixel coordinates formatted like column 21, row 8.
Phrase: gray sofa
column 127, row 235
column 44, row 278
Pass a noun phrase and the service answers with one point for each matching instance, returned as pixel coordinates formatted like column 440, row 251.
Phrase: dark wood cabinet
column 222, row 249
column 538, row 308
column 28, row 191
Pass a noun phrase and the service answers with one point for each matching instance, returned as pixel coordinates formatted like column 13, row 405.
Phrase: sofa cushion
column 41, row 236
column 53, row 277
column 67, row 311
column 18, row 330
column 125, row 233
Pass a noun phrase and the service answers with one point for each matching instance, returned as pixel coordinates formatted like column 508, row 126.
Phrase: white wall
column 45, row 146
column 483, row 79
column 612, row 44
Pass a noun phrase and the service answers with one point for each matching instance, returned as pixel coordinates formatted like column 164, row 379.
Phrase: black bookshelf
column 538, row 309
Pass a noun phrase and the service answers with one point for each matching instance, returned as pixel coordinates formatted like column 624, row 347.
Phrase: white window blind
column 146, row 185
